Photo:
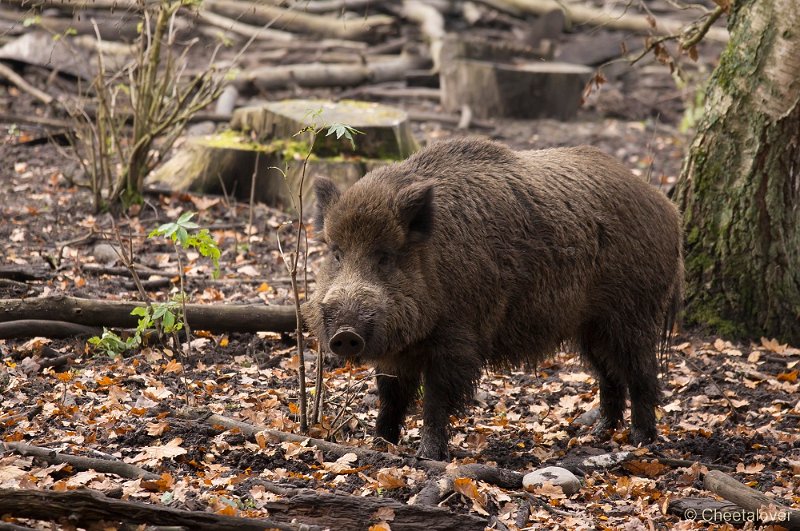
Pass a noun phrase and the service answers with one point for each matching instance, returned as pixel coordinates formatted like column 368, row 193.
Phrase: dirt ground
column 729, row 405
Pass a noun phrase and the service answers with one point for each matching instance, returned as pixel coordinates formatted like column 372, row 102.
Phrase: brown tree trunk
column 740, row 185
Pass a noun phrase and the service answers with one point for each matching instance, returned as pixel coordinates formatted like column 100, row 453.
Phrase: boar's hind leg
column 642, row 377
column 396, row 394
column 449, row 384
column 599, row 351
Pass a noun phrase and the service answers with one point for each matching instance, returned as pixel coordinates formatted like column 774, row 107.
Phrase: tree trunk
column 740, row 186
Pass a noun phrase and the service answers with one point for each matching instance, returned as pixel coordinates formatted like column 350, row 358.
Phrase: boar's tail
column 674, row 307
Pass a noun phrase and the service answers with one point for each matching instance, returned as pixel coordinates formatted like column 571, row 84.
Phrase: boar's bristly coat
column 468, row 254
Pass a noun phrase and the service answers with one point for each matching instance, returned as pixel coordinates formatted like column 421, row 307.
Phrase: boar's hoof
column 346, row 343
column 642, row 436
column 433, row 448
column 604, row 429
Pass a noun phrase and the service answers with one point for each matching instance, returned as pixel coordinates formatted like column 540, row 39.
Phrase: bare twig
column 24, row 86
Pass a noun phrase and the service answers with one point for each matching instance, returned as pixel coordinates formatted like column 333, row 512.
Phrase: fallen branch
column 330, row 6
column 291, row 20
column 38, row 328
column 245, row 30
column 125, row 470
column 23, row 85
column 36, row 120
column 767, row 509
column 332, row 75
column 122, row 5
column 93, row 506
column 340, row 511
column 614, row 19
column 25, row 273
column 117, row 314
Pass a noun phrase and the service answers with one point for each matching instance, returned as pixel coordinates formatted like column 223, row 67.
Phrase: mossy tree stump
column 264, row 141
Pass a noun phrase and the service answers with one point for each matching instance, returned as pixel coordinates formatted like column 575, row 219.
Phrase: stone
column 560, row 477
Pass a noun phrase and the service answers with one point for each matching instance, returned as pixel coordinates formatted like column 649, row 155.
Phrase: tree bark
column 84, row 506
column 341, row 511
column 212, row 317
column 740, row 185
column 751, row 500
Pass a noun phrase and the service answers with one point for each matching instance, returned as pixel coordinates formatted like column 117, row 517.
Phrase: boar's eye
column 337, row 255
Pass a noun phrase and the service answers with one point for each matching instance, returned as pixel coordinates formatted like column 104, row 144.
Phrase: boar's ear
column 327, row 194
column 415, row 210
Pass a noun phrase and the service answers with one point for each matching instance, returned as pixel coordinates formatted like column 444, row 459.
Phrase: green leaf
column 159, row 311
column 186, row 216
column 168, row 322
column 182, row 236
column 342, row 130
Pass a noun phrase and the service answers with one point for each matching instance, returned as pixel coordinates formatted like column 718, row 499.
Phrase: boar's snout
column 353, row 322
column 346, row 343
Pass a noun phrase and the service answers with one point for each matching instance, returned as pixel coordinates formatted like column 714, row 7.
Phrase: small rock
column 556, row 475
column 587, row 418
column 105, row 253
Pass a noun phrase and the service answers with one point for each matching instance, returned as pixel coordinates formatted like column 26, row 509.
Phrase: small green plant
column 201, row 241
column 167, row 317
column 112, row 345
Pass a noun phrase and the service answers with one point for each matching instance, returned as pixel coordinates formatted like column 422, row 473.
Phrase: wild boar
column 469, row 254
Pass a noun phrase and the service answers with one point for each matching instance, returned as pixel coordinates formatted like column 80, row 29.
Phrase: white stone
column 560, row 477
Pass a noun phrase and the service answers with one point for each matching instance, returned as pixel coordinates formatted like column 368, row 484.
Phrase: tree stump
column 264, row 142
column 528, row 90
column 387, row 134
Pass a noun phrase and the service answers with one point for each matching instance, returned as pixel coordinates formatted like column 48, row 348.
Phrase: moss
column 706, row 314
column 693, row 236
column 230, row 139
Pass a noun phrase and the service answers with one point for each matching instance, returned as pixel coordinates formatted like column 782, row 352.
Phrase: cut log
column 709, row 511
column 246, row 30
column 88, row 506
column 361, row 28
column 269, row 78
column 76, row 56
column 212, row 317
column 613, row 19
column 757, row 503
column 533, row 90
column 431, row 23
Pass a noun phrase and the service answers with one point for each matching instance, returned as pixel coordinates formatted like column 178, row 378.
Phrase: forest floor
column 729, row 405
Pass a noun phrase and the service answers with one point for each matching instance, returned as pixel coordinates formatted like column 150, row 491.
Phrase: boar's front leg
column 395, row 394
column 449, row 384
